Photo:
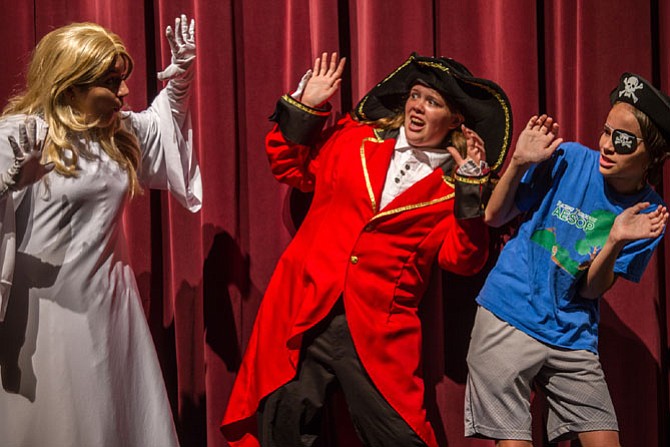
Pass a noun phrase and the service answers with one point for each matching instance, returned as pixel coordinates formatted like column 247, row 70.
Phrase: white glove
column 182, row 46
column 297, row 94
column 27, row 167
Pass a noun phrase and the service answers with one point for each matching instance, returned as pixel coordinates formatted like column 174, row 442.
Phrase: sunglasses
column 624, row 142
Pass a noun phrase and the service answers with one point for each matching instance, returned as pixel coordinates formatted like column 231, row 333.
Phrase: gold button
column 354, row 259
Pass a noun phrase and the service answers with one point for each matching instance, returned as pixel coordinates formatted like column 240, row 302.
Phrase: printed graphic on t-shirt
column 586, row 233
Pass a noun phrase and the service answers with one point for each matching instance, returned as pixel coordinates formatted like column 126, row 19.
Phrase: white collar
column 433, row 157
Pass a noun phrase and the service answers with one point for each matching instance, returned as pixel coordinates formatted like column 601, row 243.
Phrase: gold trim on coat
column 471, row 180
column 368, row 184
column 305, row 108
column 371, row 194
column 413, row 207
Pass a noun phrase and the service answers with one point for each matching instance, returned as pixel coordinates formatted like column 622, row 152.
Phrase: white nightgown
column 77, row 362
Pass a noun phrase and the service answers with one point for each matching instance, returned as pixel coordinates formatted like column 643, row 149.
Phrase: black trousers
column 292, row 415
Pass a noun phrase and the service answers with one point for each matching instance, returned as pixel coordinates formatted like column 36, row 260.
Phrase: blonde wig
column 76, row 56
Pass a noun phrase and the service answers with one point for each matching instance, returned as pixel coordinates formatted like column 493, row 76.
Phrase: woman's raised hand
column 324, row 81
column 182, row 47
column 27, row 167
column 474, row 149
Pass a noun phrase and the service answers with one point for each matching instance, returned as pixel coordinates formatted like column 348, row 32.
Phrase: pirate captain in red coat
column 397, row 184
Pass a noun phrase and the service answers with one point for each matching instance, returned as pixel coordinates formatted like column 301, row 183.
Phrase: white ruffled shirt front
column 410, row 165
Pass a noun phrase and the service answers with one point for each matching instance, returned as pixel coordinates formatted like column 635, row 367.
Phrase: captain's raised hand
column 474, row 148
column 297, row 94
column 537, row 142
column 324, row 81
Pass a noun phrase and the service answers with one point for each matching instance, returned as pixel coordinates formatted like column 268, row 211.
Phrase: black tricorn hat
column 483, row 103
column 638, row 92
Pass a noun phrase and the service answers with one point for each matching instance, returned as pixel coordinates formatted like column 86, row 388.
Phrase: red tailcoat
column 378, row 260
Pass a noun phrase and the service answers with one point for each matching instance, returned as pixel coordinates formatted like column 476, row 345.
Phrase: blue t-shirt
column 570, row 211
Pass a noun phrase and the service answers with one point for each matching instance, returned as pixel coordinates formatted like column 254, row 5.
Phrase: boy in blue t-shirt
column 590, row 218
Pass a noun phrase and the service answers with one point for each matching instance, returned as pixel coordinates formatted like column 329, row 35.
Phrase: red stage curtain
column 202, row 276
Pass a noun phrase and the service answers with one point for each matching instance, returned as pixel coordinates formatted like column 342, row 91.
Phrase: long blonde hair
column 76, row 55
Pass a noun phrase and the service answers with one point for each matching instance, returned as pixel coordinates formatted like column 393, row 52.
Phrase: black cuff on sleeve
column 299, row 123
column 472, row 195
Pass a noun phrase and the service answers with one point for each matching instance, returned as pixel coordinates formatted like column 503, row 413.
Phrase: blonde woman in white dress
column 77, row 362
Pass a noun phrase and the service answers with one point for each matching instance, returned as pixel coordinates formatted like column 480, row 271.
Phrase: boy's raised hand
column 538, row 140
column 632, row 224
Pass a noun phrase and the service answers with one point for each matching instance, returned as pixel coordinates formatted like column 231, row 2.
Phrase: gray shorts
column 505, row 364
